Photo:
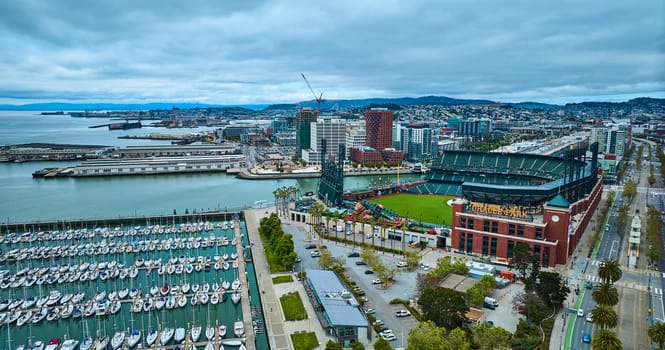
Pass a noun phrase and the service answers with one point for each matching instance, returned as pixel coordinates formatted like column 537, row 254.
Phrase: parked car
column 315, row 254
column 310, row 246
column 370, row 311
column 402, row 313
column 360, row 262
column 387, row 331
column 389, row 337
column 589, row 317
column 369, row 272
column 298, row 259
column 349, row 233
column 354, row 255
column 401, row 264
column 376, row 281
column 379, row 322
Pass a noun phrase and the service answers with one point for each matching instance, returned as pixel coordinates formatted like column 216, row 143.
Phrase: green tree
column 490, row 337
column 369, row 256
column 426, row 281
column 427, row 336
column 357, row 345
column 534, row 308
column 605, row 294
column 412, row 258
column 526, row 265
column 445, row 307
column 604, row 317
column 447, row 265
column 458, row 340
column 526, row 337
column 476, row 294
column 382, row 344
column 552, row 288
column 606, row 340
column 609, row 271
column 333, row 345
column 629, row 190
column 328, row 262
column 657, row 334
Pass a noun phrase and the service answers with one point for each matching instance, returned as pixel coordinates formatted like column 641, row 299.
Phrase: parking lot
column 403, row 288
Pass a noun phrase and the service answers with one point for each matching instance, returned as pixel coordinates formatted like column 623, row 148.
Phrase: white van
column 490, row 303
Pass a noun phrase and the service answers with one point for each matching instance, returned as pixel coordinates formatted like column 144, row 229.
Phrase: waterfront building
column 332, row 130
column 176, row 150
column 304, row 119
column 417, row 142
column 235, row 132
column 343, row 317
column 378, row 126
column 159, row 165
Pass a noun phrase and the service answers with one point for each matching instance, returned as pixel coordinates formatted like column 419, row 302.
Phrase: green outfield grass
column 429, row 208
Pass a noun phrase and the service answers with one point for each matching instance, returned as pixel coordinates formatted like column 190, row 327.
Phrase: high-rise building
column 378, row 126
column 613, row 139
column 417, row 142
column 304, row 119
column 330, row 129
column 355, row 138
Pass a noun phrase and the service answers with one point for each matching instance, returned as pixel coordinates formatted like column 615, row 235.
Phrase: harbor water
column 224, row 313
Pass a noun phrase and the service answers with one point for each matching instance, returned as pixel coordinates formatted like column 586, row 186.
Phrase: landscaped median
column 293, row 307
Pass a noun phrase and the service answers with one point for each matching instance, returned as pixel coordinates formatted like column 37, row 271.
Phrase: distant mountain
column 534, row 105
column 403, row 101
column 61, row 106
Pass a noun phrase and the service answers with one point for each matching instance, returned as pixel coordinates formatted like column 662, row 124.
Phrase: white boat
column 115, row 307
column 86, row 343
column 209, row 346
column 242, row 347
column 210, row 332
column 38, row 345
column 238, row 329
column 102, row 343
column 235, row 284
column 28, row 302
column 117, row 340
column 195, row 287
column 134, row 338
column 214, row 298
column 40, row 316
column 166, row 335
column 151, row 337
column 226, row 284
column 232, row 342
column 185, row 288
column 235, row 297
column 25, row 317
column 182, row 301
column 123, row 293
column 69, row 344
column 53, row 344
column 179, row 335
column 159, row 303
column 196, row 333
column 203, row 298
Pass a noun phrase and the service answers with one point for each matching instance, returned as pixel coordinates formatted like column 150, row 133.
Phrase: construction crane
column 318, row 99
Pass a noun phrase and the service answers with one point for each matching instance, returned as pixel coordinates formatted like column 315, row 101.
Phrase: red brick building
column 378, row 128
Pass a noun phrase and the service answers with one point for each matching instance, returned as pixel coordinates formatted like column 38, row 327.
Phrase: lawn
column 304, row 341
column 293, row 307
column 282, row 279
column 428, row 208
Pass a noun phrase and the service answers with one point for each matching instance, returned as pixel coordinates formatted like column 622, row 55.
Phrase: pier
column 245, row 299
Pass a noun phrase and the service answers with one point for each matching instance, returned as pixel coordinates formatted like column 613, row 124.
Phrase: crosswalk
column 654, row 290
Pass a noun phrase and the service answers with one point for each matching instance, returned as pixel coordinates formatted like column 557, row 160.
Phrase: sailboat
column 118, row 339
column 235, row 297
column 166, row 335
column 238, row 328
column 151, row 337
column 196, row 333
column 179, row 334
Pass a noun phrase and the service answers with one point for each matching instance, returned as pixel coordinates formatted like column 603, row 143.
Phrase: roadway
column 638, row 288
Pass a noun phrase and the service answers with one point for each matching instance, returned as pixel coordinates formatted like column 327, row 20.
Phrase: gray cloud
column 252, row 51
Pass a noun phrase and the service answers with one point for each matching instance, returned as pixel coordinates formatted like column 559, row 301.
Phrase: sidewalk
column 278, row 329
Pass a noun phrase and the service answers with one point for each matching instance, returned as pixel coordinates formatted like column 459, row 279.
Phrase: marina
column 123, row 284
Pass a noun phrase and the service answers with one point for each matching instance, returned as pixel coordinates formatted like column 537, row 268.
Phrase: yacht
column 235, row 285
column 210, row 332
column 69, row 344
column 151, row 337
column 179, row 335
column 196, row 333
column 238, row 329
column 86, row 343
column 102, row 343
column 235, row 297
column 222, row 331
column 38, row 345
column 117, row 340
column 166, row 335
column 134, row 338
column 210, row 346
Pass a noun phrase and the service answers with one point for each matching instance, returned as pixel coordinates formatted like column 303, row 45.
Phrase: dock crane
column 318, row 99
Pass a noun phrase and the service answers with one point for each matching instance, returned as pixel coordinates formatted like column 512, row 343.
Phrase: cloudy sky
column 252, row 51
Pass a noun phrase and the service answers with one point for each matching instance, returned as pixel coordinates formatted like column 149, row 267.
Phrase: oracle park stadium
column 509, row 198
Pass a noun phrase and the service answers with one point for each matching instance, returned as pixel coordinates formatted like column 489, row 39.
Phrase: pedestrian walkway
column 278, row 329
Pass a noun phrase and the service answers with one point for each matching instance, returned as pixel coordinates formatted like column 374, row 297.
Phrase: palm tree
column 606, row 340
column 604, row 316
column 610, row 271
column 605, row 294
column 657, row 334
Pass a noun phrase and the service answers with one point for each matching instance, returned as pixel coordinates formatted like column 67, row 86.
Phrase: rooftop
column 457, row 283
column 340, row 306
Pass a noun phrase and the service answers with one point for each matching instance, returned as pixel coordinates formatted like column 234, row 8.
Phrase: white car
column 580, row 313
column 370, row 311
column 348, row 233
column 401, row 264
column 376, row 281
column 386, row 332
column 389, row 337
column 402, row 313
column 379, row 322
column 589, row 318
column 315, row 254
